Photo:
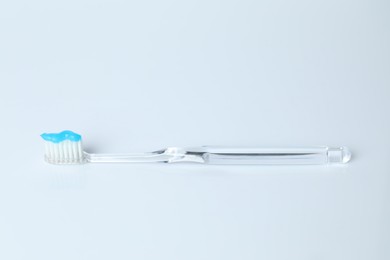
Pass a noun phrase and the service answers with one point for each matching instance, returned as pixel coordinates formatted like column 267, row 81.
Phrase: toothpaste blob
column 61, row 137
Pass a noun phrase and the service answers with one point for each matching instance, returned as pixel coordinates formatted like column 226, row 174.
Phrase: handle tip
column 339, row 155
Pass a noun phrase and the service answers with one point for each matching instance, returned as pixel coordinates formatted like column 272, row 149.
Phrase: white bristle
column 66, row 152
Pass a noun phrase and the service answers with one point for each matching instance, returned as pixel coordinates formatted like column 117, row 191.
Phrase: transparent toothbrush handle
column 230, row 155
column 315, row 155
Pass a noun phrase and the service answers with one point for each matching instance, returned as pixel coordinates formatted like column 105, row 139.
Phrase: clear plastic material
column 233, row 155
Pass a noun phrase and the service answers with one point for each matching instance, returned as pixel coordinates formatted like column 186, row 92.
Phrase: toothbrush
column 66, row 148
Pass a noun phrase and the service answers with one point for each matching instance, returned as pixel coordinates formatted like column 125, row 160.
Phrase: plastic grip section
column 275, row 156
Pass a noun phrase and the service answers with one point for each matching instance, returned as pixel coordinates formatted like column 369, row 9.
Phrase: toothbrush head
column 63, row 148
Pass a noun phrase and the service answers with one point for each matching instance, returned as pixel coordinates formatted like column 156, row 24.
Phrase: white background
column 143, row 75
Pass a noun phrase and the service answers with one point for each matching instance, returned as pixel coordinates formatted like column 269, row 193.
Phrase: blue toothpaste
column 60, row 137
